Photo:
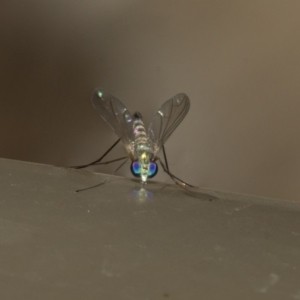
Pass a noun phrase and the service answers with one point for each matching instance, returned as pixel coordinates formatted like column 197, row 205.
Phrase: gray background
column 237, row 60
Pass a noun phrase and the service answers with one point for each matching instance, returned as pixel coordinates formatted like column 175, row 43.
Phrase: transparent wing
column 167, row 118
column 115, row 114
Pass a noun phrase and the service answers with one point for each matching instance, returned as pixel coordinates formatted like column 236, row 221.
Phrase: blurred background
column 238, row 61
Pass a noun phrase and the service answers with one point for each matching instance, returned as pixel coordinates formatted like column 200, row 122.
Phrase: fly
column 141, row 145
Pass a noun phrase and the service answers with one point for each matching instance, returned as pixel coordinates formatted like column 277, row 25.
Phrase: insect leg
column 91, row 187
column 110, row 161
column 107, row 162
column 120, row 166
column 106, row 180
column 99, row 159
column 165, row 157
column 173, row 177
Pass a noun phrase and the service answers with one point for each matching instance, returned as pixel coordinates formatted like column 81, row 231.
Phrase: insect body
column 142, row 145
column 143, row 164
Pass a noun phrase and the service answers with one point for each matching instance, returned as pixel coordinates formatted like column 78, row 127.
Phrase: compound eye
column 136, row 169
column 153, row 168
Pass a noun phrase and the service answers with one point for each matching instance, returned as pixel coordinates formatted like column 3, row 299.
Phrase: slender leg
column 99, row 159
column 110, row 161
column 173, row 177
column 120, row 166
column 91, row 187
column 165, row 157
column 94, row 186
column 167, row 167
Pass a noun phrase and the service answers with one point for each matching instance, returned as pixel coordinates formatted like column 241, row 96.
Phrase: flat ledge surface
column 119, row 241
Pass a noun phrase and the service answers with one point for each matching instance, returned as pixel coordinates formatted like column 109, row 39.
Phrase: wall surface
column 237, row 60
column 120, row 241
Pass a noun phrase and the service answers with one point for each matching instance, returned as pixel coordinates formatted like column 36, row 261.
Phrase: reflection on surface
column 155, row 189
column 141, row 194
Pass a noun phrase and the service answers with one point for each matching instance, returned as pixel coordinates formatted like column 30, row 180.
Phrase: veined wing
column 115, row 114
column 167, row 118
